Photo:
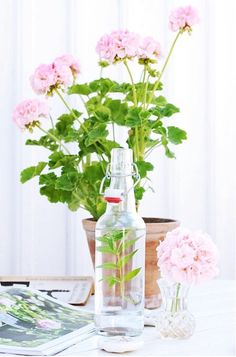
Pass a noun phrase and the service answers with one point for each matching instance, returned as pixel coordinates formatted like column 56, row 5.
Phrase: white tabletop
column 213, row 305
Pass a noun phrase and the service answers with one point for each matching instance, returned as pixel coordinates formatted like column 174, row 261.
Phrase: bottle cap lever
column 109, row 175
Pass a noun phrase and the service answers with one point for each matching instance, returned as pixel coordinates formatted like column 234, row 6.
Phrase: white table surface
column 213, row 305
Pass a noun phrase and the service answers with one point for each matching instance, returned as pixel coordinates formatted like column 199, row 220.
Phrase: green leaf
column 44, row 141
column 133, row 118
column 67, row 181
column 64, row 126
column 108, row 266
column 94, row 172
column 102, row 113
column 75, row 202
column 54, row 195
column 169, row 153
column 131, row 274
column 106, row 249
column 144, row 167
column 118, row 110
column 139, row 191
column 125, row 259
column 111, row 280
column 160, row 101
column 47, row 179
column 82, row 89
column 32, row 171
column 98, row 132
column 176, row 135
column 128, row 243
column 169, row 110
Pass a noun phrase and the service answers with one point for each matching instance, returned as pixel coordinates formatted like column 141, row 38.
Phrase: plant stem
column 113, row 132
column 176, row 297
column 148, row 152
column 136, row 151
column 164, row 66
column 132, row 82
column 54, row 138
column 51, row 120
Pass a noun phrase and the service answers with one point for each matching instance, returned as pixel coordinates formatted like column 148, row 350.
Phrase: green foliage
column 32, row 171
column 118, row 246
column 80, row 144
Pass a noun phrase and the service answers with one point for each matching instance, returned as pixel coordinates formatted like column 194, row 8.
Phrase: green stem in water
column 177, row 297
column 54, row 138
column 164, row 66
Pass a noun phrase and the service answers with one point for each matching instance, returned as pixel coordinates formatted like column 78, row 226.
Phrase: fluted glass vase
column 174, row 321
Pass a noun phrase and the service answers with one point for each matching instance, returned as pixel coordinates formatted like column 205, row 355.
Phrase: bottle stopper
column 113, row 195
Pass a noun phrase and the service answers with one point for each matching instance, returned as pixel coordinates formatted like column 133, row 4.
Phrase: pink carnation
column 47, row 324
column 183, row 18
column 28, row 112
column 149, row 48
column 187, row 257
column 118, row 45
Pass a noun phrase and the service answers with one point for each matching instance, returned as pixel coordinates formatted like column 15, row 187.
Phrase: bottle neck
column 127, row 204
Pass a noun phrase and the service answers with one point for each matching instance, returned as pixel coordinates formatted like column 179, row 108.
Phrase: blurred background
column 198, row 188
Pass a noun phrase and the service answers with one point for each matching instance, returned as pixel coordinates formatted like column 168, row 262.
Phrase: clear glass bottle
column 174, row 321
column 120, row 254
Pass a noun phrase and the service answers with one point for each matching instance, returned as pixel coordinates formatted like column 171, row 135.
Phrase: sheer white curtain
column 198, row 188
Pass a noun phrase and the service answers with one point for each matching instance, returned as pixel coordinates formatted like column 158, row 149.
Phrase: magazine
column 32, row 323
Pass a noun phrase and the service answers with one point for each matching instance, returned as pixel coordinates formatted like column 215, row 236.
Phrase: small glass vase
column 174, row 321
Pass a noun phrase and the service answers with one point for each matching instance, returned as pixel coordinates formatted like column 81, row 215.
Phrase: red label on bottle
column 113, row 199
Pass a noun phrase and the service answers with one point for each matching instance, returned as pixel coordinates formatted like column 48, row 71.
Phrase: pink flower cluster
column 28, row 112
column 187, row 257
column 59, row 74
column 48, row 324
column 123, row 44
column 183, row 18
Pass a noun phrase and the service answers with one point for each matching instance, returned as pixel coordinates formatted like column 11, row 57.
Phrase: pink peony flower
column 187, row 257
column 43, row 79
column 183, row 18
column 28, row 112
column 118, row 45
column 47, row 324
column 149, row 48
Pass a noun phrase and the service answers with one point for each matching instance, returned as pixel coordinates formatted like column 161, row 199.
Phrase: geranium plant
column 73, row 173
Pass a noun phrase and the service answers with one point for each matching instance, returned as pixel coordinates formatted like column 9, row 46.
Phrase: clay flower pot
column 156, row 229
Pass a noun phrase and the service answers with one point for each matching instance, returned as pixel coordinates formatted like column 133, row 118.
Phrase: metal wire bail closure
column 135, row 174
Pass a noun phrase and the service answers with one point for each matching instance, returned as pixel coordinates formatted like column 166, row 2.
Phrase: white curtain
column 198, row 188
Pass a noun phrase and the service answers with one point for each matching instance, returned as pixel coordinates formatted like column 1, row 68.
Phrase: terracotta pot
column 156, row 229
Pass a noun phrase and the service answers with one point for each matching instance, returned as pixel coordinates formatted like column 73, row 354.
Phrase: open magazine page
column 32, row 323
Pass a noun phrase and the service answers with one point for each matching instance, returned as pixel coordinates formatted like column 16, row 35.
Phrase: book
column 74, row 290
column 33, row 323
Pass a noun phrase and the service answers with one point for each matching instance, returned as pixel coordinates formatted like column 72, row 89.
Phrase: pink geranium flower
column 118, row 45
column 59, row 74
column 149, row 48
column 43, row 79
column 187, row 257
column 29, row 112
column 68, row 61
column 183, row 18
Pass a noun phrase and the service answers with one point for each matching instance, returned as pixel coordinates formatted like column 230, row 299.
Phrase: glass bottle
column 120, row 254
column 174, row 321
